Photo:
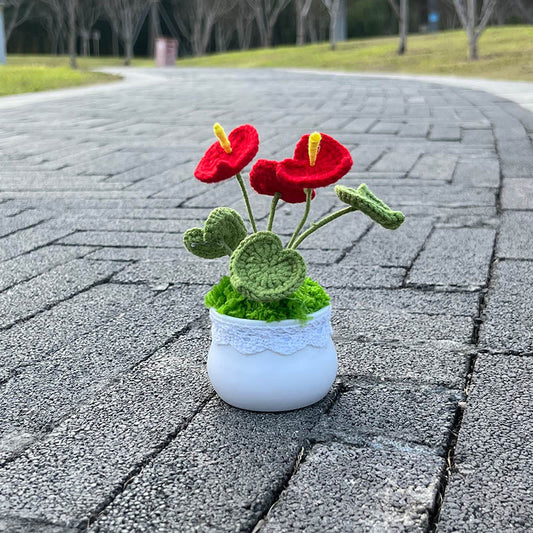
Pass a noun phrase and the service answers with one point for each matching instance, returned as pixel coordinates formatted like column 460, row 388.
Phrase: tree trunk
column 86, row 45
column 114, row 42
column 333, row 31
column 72, row 32
column 472, row 47
column 404, row 25
column 155, row 28
column 300, row 23
column 471, row 30
column 128, row 51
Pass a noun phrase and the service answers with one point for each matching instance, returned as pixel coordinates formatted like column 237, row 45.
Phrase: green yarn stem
column 308, row 196
column 275, row 201
column 321, row 223
column 246, row 201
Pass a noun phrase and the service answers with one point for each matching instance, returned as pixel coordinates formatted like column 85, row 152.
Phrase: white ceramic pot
column 272, row 366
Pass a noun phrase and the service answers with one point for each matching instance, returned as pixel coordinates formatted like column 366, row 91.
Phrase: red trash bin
column 166, row 51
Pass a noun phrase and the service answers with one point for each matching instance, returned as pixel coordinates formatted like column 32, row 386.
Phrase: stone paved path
column 107, row 420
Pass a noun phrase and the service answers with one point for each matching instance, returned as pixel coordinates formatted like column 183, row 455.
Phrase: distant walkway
column 108, row 422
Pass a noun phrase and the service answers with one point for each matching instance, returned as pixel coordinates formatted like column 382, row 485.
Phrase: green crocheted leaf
column 223, row 230
column 263, row 271
column 366, row 202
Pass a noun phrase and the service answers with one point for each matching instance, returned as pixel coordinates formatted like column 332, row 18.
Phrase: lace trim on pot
column 284, row 339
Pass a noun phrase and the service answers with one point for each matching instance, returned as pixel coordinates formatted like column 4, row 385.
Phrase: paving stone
column 139, row 254
column 145, row 408
column 440, row 132
column 341, row 234
column 397, row 161
column 29, row 265
column 34, row 339
column 454, row 258
column 490, row 486
column 390, row 248
column 437, row 362
column 516, row 157
column 10, row 225
column 374, row 412
column 336, row 276
column 72, row 375
column 478, row 173
column 193, row 270
column 221, row 473
column 124, row 238
column 517, row 193
column 508, row 311
column 343, row 489
column 381, row 325
column 436, row 195
column 134, row 225
column 364, row 155
column 515, row 240
column 477, row 137
column 414, row 129
column 385, row 127
column 29, row 239
column 434, row 167
column 60, row 283
column 114, row 163
column 407, row 300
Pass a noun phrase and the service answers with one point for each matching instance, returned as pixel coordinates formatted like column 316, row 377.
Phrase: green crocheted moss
column 263, row 271
column 366, row 202
column 309, row 298
column 223, row 230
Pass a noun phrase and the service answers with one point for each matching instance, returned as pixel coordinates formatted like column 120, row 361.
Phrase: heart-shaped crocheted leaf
column 363, row 200
column 263, row 271
column 223, row 230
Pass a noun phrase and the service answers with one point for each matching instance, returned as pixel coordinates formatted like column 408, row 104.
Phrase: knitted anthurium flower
column 319, row 160
column 264, row 180
column 229, row 155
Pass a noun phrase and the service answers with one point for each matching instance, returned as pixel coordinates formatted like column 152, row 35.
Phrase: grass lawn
column 31, row 78
column 27, row 73
column 505, row 53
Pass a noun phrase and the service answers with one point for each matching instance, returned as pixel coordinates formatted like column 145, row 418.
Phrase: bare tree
column 474, row 21
column 197, row 19
column 302, row 10
column 243, row 21
column 316, row 22
column 400, row 8
column 224, row 29
column 125, row 17
column 16, row 13
column 72, row 7
column 266, row 15
column 525, row 9
column 333, row 7
column 88, row 13
column 65, row 13
column 51, row 15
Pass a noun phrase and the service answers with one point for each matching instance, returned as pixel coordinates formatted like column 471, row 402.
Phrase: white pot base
column 269, row 381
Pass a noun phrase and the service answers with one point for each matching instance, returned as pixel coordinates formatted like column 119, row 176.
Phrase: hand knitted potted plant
column 271, row 334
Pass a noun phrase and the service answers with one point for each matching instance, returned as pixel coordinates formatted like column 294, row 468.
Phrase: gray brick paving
column 341, row 488
column 108, row 420
column 490, row 486
column 455, row 257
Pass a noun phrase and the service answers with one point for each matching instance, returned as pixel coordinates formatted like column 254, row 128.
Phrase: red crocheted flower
column 264, row 180
column 217, row 165
column 332, row 163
